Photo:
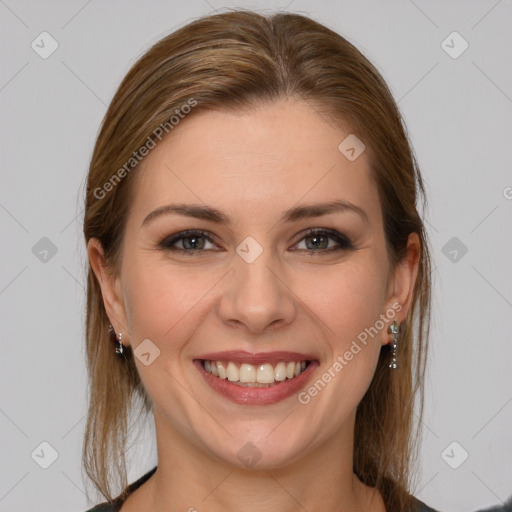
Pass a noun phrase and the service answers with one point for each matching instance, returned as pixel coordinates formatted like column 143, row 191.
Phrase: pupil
column 193, row 242
column 316, row 241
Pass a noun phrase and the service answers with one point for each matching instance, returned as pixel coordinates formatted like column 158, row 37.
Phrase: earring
column 119, row 347
column 393, row 329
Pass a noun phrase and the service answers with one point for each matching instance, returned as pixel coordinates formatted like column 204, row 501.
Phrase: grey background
column 458, row 111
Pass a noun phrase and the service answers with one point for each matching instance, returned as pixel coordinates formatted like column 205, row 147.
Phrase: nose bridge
column 256, row 294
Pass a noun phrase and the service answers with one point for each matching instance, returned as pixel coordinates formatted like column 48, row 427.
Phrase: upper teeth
column 261, row 373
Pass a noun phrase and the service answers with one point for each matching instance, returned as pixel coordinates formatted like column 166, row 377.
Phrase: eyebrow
column 294, row 214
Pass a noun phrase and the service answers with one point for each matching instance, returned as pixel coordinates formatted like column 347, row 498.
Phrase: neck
column 189, row 479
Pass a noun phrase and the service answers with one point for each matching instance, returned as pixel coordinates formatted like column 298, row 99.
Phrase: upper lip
column 241, row 356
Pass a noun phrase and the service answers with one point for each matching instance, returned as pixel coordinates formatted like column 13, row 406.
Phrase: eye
column 315, row 240
column 318, row 240
column 187, row 241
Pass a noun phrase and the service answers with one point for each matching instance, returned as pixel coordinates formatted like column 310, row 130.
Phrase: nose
column 256, row 297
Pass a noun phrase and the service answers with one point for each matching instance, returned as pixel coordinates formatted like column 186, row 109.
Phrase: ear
column 111, row 290
column 403, row 279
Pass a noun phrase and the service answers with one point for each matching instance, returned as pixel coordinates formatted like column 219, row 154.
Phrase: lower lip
column 256, row 395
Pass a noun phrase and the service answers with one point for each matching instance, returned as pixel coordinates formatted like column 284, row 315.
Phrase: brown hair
column 233, row 61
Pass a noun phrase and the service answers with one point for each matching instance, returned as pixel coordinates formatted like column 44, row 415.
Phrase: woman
column 254, row 243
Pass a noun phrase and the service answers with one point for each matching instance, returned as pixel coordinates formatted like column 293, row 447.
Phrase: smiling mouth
column 255, row 375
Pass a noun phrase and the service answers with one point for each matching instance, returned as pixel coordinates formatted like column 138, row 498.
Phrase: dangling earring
column 119, row 347
column 393, row 329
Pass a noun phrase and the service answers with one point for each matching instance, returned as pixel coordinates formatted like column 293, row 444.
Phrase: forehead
column 252, row 163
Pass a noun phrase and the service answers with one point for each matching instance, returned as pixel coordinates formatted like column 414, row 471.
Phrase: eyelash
column 342, row 240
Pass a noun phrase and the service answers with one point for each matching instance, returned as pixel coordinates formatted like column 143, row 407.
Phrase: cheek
column 348, row 299
column 163, row 302
column 351, row 307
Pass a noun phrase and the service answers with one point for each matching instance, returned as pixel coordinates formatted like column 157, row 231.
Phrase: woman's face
column 249, row 289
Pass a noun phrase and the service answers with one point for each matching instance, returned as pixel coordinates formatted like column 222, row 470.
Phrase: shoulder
column 506, row 507
column 104, row 507
column 419, row 506
column 116, row 504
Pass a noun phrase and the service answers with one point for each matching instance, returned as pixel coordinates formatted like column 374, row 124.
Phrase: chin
column 261, row 450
